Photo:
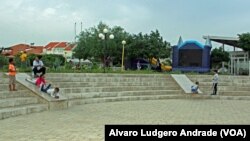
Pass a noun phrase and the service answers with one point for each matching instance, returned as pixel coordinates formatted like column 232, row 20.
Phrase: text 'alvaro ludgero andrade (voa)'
column 180, row 133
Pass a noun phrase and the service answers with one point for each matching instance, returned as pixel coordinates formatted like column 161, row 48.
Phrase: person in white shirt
column 138, row 65
column 53, row 92
column 38, row 66
column 215, row 82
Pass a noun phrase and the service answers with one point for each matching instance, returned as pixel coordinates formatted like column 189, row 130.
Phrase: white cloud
column 41, row 21
column 48, row 12
column 10, row 4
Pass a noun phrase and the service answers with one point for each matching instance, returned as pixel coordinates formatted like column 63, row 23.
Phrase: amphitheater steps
column 21, row 102
column 114, row 89
column 94, row 88
column 22, row 110
column 227, row 86
column 123, row 98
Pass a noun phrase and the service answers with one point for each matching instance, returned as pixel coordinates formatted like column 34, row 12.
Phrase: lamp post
column 123, row 43
column 104, row 36
column 65, row 53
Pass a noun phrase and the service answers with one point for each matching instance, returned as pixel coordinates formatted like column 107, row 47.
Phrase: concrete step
column 4, row 80
column 234, row 93
column 18, row 91
column 107, row 79
column 210, row 79
column 6, row 86
column 230, row 93
column 114, row 89
column 155, row 97
column 207, row 84
column 229, row 83
column 97, row 81
column 106, row 75
column 216, row 97
column 235, row 97
column 98, row 84
column 114, row 84
column 227, row 88
column 221, row 76
column 124, row 98
column 11, row 94
column 121, row 94
column 225, row 84
column 104, row 80
column 22, row 110
column 12, row 102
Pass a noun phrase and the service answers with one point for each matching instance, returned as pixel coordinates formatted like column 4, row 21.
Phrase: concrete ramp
column 20, row 77
column 184, row 82
column 60, row 103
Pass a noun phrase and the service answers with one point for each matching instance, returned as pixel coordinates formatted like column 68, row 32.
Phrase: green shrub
column 3, row 61
column 49, row 60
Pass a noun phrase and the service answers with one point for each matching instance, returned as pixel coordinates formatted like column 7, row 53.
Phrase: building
column 239, row 60
column 60, row 48
column 14, row 50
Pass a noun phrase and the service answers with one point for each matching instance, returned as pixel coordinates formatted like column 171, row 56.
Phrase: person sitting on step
column 195, row 88
column 38, row 66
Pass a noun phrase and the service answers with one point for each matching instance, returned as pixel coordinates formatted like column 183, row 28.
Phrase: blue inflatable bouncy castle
column 191, row 56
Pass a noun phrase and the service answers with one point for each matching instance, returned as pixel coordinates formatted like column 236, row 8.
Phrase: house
column 14, row 50
column 61, row 48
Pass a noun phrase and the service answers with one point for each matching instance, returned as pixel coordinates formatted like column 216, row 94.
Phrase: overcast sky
column 43, row 21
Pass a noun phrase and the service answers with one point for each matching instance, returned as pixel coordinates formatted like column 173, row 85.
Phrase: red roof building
column 14, row 50
column 61, row 48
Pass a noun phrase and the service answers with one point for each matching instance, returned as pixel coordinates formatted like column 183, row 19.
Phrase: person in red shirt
column 40, row 81
column 12, row 75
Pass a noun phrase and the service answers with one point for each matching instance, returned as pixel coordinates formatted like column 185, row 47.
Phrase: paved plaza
column 86, row 122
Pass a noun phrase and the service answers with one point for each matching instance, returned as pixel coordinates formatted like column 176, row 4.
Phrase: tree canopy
column 137, row 45
column 244, row 41
column 218, row 56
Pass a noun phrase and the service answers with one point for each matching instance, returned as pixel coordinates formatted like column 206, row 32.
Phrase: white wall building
column 61, row 48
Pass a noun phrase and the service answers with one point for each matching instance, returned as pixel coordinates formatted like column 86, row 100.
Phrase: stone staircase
column 19, row 102
column 82, row 88
column 228, row 85
column 95, row 88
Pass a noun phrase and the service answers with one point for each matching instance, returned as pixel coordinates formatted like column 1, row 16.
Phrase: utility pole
column 75, row 31
column 81, row 27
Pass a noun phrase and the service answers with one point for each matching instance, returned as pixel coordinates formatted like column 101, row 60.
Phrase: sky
column 43, row 21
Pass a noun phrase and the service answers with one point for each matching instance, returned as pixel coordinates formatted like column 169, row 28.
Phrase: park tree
column 82, row 51
column 244, row 41
column 3, row 61
column 148, row 46
column 90, row 45
column 218, row 56
column 137, row 45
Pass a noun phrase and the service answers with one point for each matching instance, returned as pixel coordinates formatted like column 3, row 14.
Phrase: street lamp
column 123, row 43
column 104, row 36
column 65, row 61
